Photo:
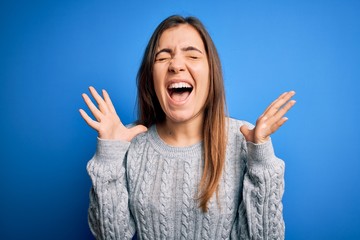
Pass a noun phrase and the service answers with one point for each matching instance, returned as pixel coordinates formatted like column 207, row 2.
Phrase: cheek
column 160, row 91
column 200, row 70
column 202, row 76
column 204, row 85
column 157, row 89
column 157, row 80
column 159, row 72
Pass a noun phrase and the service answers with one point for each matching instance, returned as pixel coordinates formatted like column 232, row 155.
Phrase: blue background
column 51, row 51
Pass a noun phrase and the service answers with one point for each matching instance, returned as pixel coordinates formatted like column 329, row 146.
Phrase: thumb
column 246, row 132
column 138, row 129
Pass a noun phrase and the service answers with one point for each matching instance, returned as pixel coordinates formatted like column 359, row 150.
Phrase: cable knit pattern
column 165, row 198
column 229, row 203
column 186, row 201
column 150, row 188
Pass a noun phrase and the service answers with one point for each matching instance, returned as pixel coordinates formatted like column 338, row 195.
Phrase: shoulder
column 139, row 141
column 236, row 145
column 234, row 136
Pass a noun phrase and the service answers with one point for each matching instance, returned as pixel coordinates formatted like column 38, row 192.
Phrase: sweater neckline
column 162, row 147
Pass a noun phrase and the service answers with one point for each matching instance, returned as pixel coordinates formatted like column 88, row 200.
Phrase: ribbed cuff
column 111, row 150
column 261, row 155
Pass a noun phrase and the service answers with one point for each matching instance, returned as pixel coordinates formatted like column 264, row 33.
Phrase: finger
column 88, row 120
column 100, row 101
column 94, row 110
column 272, row 104
column 244, row 130
column 278, row 103
column 284, row 110
column 278, row 124
column 278, row 119
column 108, row 101
column 247, row 133
column 138, row 129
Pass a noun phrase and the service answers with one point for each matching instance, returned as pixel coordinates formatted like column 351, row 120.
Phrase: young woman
column 186, row 171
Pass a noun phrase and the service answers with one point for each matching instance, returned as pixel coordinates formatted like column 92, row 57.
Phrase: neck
column 181, row 134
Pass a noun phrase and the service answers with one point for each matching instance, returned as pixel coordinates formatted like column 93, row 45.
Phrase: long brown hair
column 150, row 111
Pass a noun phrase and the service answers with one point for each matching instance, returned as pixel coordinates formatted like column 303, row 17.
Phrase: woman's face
column 181, row 74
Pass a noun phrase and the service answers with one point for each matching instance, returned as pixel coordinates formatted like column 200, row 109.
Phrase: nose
column 176, row 65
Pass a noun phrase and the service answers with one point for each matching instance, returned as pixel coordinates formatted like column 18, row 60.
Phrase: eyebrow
column 185, row 49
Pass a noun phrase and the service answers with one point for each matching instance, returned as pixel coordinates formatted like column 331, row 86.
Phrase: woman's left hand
column 271, row 120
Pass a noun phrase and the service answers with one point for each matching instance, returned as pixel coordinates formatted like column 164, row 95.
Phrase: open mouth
column 179, row 91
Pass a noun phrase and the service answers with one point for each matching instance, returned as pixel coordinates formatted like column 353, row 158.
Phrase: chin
column 177, row 119
column 181, row 117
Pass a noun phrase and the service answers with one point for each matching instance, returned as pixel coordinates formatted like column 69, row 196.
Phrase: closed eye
column 163, row 55
column 161, row 59
column 193, row 56
column 193, row 53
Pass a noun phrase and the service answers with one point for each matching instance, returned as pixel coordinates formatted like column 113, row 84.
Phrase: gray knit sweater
column 149, row 188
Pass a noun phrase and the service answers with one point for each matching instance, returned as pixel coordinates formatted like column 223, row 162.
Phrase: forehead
column 181, row 35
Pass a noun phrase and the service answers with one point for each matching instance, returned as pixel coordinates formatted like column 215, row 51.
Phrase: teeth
column 180, row 85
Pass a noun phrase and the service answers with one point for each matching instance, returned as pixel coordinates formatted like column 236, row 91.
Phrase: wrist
column 261, row 140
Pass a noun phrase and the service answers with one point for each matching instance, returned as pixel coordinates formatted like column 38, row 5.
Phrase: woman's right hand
column 107, row 123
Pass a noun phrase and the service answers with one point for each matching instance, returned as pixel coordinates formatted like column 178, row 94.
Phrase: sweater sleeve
column 260, row 211
column 109, row 214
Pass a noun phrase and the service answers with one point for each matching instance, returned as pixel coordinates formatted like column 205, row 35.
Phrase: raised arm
column 109, row 212
column 260, row 212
